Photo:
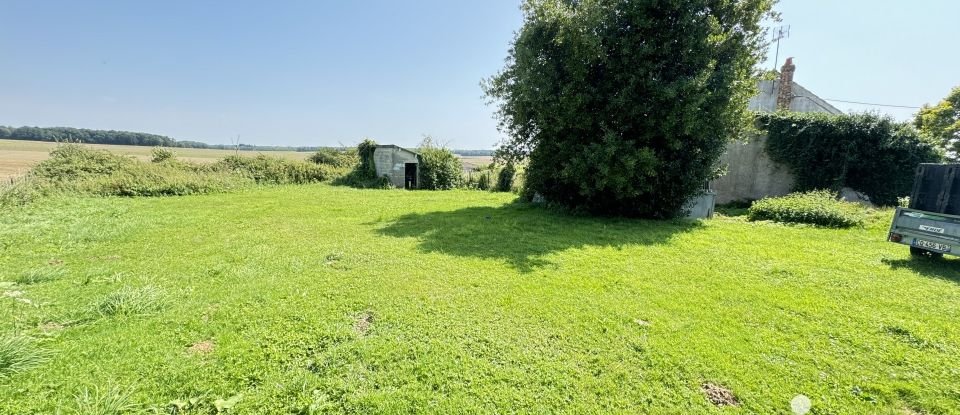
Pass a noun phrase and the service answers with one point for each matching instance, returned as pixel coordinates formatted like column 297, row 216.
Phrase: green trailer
column 931, row 224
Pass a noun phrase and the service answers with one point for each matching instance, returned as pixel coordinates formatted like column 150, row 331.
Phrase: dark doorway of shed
column 410, row 181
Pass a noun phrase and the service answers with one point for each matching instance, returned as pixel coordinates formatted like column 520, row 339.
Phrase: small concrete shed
column 400, row 165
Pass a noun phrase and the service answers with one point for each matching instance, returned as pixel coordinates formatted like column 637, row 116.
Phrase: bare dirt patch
column 364, row 323
column 50, row 327
column 201, row 348
column 18, row 163
column 473, row 162
column 719, row 395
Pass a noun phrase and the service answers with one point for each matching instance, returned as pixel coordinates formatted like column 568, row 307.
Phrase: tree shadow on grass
column 943, row 268
column 523, row 235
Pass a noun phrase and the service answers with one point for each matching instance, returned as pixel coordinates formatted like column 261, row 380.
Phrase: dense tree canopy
column 624, row 107
column 82, row 135
column 941, row 123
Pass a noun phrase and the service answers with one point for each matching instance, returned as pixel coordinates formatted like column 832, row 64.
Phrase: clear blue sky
column 323, row 73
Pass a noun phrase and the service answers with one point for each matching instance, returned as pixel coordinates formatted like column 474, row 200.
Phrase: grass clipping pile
column 75, row 169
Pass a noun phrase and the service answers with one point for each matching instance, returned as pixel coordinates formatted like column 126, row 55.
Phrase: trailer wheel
column 924, row 253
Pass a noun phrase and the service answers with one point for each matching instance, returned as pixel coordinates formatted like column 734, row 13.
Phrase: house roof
column 802, row 99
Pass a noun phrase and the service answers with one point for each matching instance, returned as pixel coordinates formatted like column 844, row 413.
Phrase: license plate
column 920, row 243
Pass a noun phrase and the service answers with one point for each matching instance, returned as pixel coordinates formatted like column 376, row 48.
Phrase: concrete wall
column 751, row 174
column 391, row 161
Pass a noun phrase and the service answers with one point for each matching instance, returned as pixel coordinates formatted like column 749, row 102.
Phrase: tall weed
column 19, row 354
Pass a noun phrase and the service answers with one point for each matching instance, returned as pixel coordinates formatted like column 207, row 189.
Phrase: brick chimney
column 786, row 85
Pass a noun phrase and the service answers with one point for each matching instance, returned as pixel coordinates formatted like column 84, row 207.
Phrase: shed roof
column 397, row 147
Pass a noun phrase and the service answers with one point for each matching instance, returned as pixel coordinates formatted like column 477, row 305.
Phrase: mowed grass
column 317, row 299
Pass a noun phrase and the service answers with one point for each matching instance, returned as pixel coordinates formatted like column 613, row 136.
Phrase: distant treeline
column 128, row 138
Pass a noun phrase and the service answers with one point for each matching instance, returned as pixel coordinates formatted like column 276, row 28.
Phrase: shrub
column 274, row 170
column 368, row 167
column 870, row 153
column 73, row 168
column 23, row 191
column 71, row 161
column 162, row 154
column 480, row 178
column 505, row 178
column 337, row 159
column 364, row 173
column 816, row 208
column 440, row 169
column 142, row 179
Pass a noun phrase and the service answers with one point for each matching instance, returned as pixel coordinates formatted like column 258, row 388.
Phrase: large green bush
column 143, row 179
column 870, row 153
column 78, row 169
column 440, row 169
column 505, row 178
column 819, row 207
column 624, row 107
column 73, row 169
column 364, row 172
column 72, row 161
column 161, row 154
column 338, row 159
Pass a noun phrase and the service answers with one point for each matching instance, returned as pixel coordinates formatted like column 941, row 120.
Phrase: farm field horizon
column 323, row 299
column 17, row 157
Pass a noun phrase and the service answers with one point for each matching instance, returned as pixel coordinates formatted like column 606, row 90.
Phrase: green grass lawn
column 318, row 299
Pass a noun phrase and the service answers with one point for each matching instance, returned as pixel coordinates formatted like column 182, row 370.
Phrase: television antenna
column 780, row 33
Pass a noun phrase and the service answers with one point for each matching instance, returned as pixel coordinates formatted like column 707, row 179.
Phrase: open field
column 17, row 156
column 318, row 299
column 472, row 162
